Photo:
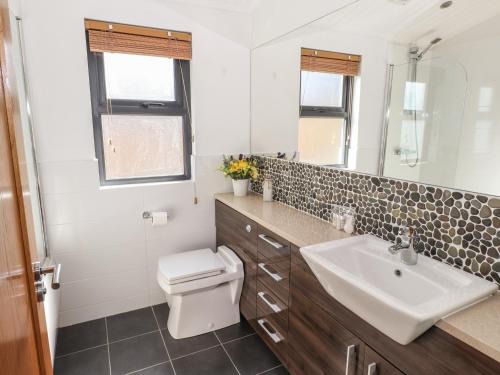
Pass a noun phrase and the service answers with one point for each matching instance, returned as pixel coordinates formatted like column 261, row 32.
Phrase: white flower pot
column 240, row 187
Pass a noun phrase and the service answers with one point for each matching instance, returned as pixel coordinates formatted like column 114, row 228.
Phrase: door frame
column 12, row 114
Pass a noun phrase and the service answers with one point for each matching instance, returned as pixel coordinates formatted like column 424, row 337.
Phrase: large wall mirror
column 408, row 89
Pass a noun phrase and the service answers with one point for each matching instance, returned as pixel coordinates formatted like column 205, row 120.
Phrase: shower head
column 426, row 49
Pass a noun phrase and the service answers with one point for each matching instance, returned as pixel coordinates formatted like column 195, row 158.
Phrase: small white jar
column 267, row 190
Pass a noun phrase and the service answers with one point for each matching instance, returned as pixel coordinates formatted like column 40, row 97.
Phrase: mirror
column 405, row 89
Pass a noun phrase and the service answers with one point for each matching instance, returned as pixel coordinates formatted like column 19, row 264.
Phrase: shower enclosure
column 424, row 119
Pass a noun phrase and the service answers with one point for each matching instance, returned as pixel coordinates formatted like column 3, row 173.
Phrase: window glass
column 321, row 89
column 322, row 140
column 137, row 77
column 142, row 146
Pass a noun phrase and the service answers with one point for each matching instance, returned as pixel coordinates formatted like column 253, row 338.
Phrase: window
column 325, row 106
column 140, row 107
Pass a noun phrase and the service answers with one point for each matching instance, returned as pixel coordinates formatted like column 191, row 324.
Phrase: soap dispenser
column 267, row 189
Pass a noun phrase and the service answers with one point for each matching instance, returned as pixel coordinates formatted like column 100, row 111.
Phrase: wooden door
column 317, row 343
column 18, row 353
column 23, row 338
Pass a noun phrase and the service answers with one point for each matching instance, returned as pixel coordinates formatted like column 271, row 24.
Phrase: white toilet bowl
column 203, row 290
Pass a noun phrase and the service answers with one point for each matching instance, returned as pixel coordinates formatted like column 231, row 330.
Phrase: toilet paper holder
column 148, row 215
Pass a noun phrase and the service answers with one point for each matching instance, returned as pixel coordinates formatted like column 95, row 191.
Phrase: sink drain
column 398, row 273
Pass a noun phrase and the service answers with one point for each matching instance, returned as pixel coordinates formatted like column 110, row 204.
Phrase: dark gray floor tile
column 162, row 369
column 130, row 324
column 208, row 362
column 180, row 347
column 277, row 371
column 80, row 336
column 235, row 331
column 92, row 361
column 161, row 312
column 137, row 353
column 251, row 355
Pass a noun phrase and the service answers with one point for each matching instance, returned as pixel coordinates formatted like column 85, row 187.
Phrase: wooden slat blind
column 330, row 62
column 119, row 38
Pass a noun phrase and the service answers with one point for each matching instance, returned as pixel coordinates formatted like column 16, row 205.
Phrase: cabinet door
column 376, row 365
column 317, row 343
column 240, row 234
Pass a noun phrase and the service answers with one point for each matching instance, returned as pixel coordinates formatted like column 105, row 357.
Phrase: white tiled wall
column 108, row 252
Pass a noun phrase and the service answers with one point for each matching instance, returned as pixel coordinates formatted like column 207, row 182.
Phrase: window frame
column 180, row 107
column 344, row 111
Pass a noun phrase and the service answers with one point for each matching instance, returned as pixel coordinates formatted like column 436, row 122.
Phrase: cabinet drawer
column 271, row 248
column 271, row 306
column 276, row 277
column 273, row 335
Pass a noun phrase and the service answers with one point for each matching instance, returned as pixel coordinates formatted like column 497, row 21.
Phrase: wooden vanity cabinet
column 433, row 353
column 314, row 334
column 239, row 233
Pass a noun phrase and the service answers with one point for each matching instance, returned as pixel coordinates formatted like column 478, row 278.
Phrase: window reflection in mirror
column 326, row 92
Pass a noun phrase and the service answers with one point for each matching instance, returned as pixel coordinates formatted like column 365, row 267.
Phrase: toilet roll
column 159, row 218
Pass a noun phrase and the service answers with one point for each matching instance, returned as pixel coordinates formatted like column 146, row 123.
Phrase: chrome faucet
column 406, row 246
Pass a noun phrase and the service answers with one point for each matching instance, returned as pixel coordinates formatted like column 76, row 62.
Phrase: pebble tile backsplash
column 459, row 228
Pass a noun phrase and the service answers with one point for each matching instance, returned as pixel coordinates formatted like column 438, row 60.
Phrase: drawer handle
column 372, row 369
column 273, row 306
column 275, row 276
column 351, row 355
column 270, row 241
column 272, row 333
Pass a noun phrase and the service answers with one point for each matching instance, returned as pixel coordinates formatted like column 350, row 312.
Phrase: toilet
column 203, row 290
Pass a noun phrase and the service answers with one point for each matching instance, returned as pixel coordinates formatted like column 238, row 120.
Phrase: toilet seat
column 191, row 265
column 232, row 269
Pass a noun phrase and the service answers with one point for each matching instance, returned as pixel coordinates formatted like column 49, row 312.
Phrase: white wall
column 276, row 93
column 109, row 253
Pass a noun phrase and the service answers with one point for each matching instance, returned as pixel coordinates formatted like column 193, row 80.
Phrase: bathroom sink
column 399, row 300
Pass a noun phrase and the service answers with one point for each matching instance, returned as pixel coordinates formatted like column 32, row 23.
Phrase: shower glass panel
column 425, row 120
column 33, row 196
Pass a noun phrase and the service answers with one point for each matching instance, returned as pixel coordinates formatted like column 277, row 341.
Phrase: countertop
column 293, row 225
column 478, row 325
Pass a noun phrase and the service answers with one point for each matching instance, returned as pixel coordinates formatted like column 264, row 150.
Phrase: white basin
column 360, row 273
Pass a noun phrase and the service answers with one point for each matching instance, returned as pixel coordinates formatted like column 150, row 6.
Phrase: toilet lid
column 190, row 265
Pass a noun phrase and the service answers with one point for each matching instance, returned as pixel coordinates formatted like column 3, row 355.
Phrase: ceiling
column 244, row 6
column 400, row 21
column 411, row 21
